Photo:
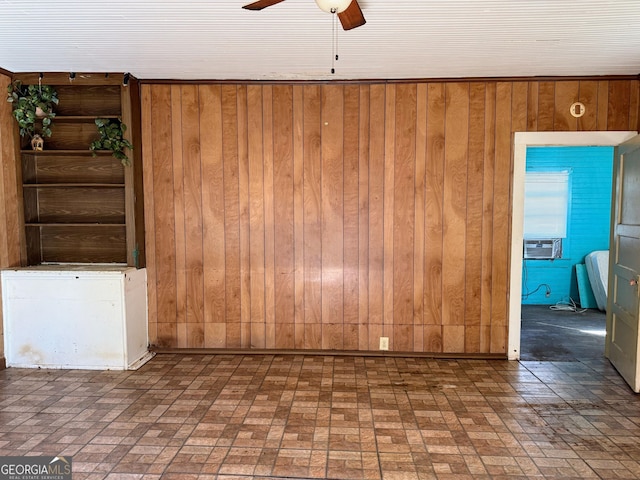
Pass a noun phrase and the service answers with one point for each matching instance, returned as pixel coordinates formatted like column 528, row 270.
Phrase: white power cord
column 570, row 306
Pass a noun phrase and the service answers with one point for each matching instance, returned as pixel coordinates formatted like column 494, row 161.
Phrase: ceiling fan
column 348, row 11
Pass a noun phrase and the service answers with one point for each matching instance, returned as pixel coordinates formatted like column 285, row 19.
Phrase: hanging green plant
column 32, row 105
column 111, row 132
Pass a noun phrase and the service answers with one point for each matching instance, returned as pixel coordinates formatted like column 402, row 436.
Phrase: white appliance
column 543, row 249
column 85, row 317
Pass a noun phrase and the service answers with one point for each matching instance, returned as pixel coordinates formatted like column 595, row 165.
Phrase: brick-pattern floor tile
column 242, row 417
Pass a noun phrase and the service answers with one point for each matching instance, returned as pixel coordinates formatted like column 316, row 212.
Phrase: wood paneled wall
column 10, row 202
column 326, row 216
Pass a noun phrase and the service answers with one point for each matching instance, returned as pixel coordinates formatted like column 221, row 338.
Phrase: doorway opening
column 567, row 215
column 522, row 141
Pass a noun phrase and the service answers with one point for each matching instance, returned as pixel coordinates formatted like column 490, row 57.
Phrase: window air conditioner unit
column 543, row 249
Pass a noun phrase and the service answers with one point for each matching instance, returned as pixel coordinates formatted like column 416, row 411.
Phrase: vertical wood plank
column 283, row 214
column 419, row 218
column 269, row 219
column 404, row 214
column 455, row 211
column 489, row 172
column 298, row 214
column 164, row 216
column 532, row 107
column 546, row 106
column 473, row 268
column 389, row 209
column 12, row 237
column 10, row 176
column 243, row 207
column 618, row 107
column 149, row 208
column 519, row 100
column 179, row 212
column 7, row 156
column 434, row 217
column 193, row 214
column 376, row 212
column 634, row 104
column 231, row 214
column 363, row 218
column 256, row 215
column 351, row 159
column 567, row 93
column 332, row 217
column 213, row 258
column 4, row 210
column 501, row 217
column 312, row 218
column 603, row 105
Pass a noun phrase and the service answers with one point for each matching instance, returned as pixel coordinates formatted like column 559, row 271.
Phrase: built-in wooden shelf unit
column 81, row 208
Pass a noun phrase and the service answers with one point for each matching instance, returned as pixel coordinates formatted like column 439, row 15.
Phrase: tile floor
column 303, row 417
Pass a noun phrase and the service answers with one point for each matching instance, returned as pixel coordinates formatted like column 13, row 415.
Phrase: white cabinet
column 88, row 317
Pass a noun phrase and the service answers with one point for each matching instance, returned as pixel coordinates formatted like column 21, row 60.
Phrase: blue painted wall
column 588, row 224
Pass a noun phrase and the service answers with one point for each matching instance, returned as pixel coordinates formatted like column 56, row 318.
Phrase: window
column 546, row 205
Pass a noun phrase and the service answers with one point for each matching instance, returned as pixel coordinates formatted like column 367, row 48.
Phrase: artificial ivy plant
column 30, row 104
column 112, row 138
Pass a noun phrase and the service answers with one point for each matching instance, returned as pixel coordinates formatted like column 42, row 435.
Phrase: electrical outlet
column 384, row 343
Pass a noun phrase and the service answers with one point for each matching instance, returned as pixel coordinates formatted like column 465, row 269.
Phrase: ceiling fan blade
column 352, row 17
column 260, row 4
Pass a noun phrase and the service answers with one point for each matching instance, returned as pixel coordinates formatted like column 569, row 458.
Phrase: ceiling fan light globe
column 333, row 6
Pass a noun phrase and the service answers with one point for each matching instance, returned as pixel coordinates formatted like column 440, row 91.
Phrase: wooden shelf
column 62, row 224
column 72, row 168
column 81, row 118
column 73, row 185
column 59, row 153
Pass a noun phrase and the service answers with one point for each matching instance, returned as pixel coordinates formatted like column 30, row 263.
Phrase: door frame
column 521, row 141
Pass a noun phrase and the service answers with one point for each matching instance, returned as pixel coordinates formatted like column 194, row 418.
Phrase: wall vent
column 543, row 249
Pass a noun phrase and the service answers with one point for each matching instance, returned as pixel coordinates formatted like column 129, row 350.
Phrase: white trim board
column 523, row 140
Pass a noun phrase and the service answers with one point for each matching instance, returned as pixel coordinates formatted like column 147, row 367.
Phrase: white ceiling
column 217, row 39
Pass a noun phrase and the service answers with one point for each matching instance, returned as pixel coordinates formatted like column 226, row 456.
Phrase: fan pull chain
column 334, row 41
column 336, row 31
column 334, row 55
